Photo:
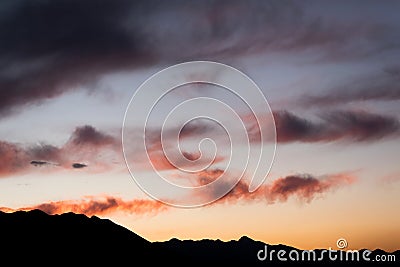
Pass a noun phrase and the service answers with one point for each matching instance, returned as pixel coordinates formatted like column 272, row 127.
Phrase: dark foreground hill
column 37, row 238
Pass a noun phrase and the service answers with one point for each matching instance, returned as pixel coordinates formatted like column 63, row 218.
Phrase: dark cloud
column 195, row 128
column 79, row 165
column 303, row 187
column 331, row 126
column 40, row 163
column 335, row 126
column 291, row 128
column 45, row 152
column 89, row 136
column 384, row 86
column 362, row 126
column 49, row 47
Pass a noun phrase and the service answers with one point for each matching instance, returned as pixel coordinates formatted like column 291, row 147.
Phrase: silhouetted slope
column 34, row 235
column 243, row 252
column 37, row 238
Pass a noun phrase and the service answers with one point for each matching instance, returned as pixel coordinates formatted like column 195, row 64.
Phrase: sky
column 329, row 70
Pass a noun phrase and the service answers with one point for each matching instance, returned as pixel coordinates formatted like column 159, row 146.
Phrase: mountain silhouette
column 35, row 237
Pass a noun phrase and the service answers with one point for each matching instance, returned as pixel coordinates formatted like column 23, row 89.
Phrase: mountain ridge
column 70, row 236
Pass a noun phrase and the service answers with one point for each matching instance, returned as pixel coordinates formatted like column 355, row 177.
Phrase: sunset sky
column 330, row 71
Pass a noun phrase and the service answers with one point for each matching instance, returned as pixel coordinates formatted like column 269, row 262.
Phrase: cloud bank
column 48, row 48
column 97, row 206
column 304, row 188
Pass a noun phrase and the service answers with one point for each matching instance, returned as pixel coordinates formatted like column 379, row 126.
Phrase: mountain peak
column 245, row 239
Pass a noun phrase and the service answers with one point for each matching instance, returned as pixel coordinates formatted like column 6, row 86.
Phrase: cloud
column 335, row 126
column 96, row 206
column 13, row 158
column 85, row 144
column 48, row 48
column 181, row 159
column 390, row 178
column 99, row 149
column 330, row 126
column 44, row 152
column 208, row 176
column 303, row 187
column 87, row 135
column 41, row 163
column 383, row 86
column 79, row 165
column 178, row 156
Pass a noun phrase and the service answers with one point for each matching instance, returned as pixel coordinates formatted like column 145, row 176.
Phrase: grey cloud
column 50, row 47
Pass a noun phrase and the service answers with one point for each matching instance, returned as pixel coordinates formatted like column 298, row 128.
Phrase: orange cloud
column 304, row 187
column 96, row 206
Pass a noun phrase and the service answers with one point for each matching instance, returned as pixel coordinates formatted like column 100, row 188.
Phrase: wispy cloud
column 97, row 206
column 390, row 178
column 353, row 126
column 304, row 187
column 89, row 147
column 383, row 86
column 157, row 148
column 329, row 126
